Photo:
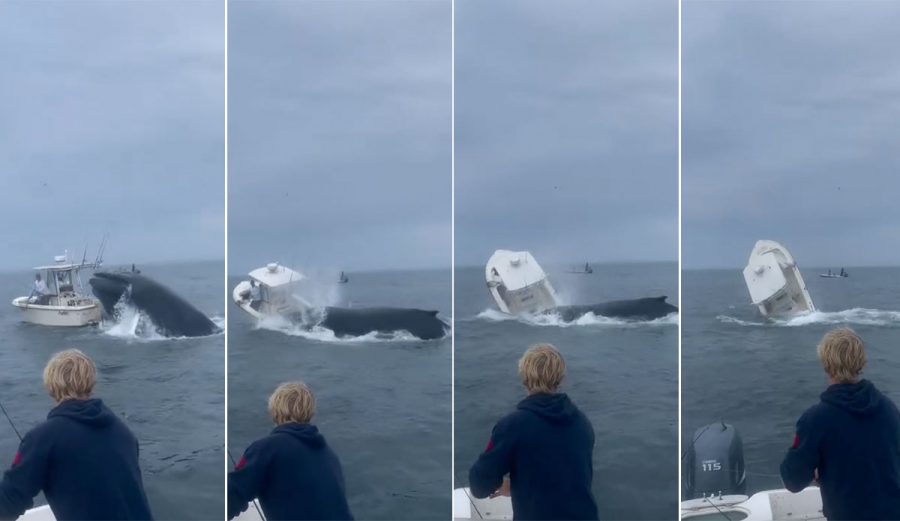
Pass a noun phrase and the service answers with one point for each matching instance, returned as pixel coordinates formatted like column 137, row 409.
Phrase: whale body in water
column 650, row 308
column 171, row 314
column 350, row 322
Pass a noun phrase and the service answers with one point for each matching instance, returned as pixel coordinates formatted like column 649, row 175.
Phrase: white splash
column 588, row 319
column 859, row 316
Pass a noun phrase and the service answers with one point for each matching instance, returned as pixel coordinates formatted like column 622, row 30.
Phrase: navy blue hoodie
column 84, row 459
column 546, row 447
column 294, row 474
column 853, row 438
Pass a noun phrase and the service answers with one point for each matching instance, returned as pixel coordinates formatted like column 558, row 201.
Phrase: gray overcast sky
column 566, row 129
column 339, row 134
column 791, row 114
column 111, row 121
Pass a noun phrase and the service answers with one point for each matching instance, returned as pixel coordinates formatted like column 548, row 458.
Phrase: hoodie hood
column 555, row 408
column 861, row 398
column 305, row 432
column 91, row 412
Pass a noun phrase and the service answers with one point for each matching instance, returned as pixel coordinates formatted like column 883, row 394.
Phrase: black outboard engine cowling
column 714, row 463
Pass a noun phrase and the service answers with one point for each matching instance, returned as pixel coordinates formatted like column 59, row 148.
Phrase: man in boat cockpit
column 850, row 441
column 546, row 446
column 40, row 291
column 84, row 458
column 254, row 295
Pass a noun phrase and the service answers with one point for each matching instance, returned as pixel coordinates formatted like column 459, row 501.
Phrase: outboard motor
column 715, row 462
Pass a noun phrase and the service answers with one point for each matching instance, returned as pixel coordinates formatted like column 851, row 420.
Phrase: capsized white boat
column 277, row 292
column 466, row 506
column 518, row 284
column 67, row 304
column 774, row 281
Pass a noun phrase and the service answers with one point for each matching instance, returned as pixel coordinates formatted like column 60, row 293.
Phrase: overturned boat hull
column 774, row 281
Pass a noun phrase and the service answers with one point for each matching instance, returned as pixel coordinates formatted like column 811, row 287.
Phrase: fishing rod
column 11, row 424
column 255, row 504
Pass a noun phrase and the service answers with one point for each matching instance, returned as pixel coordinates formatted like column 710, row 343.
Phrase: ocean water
column 170, row 392
column 383, row 404
column 623, row 376
column 760, row 375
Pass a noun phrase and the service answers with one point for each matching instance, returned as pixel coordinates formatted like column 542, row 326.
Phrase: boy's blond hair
column 292, row 402
column 843, row 355
column 542, row 369
column 70, row 375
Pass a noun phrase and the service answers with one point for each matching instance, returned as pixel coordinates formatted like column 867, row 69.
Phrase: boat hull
column 466, row 506
column 768, row 505
column 58, row 316
column 775, row 283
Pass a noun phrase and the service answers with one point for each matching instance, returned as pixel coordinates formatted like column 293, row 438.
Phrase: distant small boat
column 586, row 270
column 343, row 279
column 831, row 275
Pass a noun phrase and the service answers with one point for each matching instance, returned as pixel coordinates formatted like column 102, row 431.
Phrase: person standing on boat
column 850, row 441
column 254, row 295
column 84, row 458
column 292, row 471
column 40, row 290
column 546, row 447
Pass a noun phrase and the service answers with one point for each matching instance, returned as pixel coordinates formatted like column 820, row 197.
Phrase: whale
column 649, row 308
column 172, row 315
column 350, row 322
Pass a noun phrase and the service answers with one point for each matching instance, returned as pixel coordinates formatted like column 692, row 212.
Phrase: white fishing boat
column 518, row 284
column 275, row 292
column 715, row 481
column 65, row 303
column 466, row 506
column 41, row 513
column 774, row 281
column 767, row 505
column 253, row 513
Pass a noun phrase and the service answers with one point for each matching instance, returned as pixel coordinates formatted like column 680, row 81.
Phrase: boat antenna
column 255, row 504
column 84, row 255
column 99, row 260
column 11, row 424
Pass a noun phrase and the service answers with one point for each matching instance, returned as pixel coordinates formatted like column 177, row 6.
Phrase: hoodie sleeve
column 802, row 459
column 486, row 475
column 245, row 481
column 25, row 479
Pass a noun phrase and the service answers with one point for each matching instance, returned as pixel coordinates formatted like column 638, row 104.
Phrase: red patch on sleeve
column 17, row 459
column 240, row 464
column 796, row 441
column 490, row 445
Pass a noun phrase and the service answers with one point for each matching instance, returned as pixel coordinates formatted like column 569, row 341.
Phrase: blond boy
column 545, row 445
column 292, row 471
column 83, row 457
column 850, row 440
